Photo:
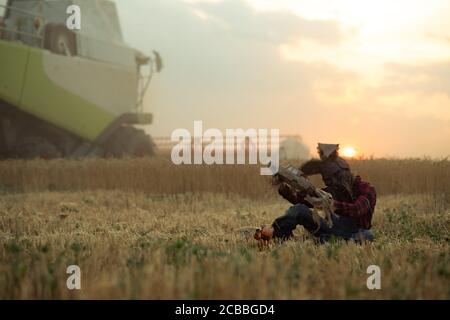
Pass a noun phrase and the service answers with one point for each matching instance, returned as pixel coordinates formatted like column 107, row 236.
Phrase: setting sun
column 349, row 152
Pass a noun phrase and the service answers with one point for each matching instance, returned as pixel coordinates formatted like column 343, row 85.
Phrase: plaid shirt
column 363, row 205
column 361, row 208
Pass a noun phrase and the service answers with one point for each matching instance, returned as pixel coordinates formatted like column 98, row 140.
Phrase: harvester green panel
column 56, row 105
column 13, row 62
column 25, row 84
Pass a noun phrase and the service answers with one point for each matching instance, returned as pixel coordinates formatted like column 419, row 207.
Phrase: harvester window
column 20, row 22
column 2, row 8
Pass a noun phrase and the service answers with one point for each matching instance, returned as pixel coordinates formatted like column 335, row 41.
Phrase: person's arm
column 312, row 167
column 291, row 195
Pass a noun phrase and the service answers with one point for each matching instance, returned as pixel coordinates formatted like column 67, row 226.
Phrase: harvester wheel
column 129, row 141
column 36, row 148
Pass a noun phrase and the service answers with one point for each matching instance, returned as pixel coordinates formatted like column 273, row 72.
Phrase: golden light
column 375, row 32
column 348, row 152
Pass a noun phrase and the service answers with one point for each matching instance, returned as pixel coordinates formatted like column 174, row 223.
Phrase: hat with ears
column 327, row 149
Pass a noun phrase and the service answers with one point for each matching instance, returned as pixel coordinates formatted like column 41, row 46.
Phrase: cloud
column 225, row 61
column 224, row 66
column 438, row 37
column 278, row 27
column 428, row 78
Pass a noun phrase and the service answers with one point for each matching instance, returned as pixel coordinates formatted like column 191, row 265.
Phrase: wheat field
column 146, row 229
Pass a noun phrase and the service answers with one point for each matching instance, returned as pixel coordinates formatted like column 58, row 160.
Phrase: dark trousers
column 343, row 227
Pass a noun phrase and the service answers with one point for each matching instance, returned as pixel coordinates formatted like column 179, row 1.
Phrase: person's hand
column 285, row 188
column 316, row 202
column 322, row 200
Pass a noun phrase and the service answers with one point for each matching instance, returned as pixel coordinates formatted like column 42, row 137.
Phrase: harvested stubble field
column 146, row 229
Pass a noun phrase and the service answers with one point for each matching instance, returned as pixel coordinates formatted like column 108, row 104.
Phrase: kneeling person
column 352, row 219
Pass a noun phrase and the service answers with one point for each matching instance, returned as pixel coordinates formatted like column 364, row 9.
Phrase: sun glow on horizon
column 348, row 152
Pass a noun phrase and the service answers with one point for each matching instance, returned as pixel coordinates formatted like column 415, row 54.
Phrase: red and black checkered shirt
column 363, row 205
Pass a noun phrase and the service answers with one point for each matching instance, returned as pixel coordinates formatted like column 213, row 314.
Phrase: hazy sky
column 371, row 74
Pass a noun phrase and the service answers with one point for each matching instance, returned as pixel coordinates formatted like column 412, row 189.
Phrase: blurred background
column 372, row 76
column 366, row 74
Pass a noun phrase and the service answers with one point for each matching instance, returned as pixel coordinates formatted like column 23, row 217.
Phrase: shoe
column 264, row 235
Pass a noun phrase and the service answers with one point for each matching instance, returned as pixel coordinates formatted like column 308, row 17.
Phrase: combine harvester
column 70, row 93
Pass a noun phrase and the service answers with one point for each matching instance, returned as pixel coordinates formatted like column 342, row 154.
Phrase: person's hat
column 327, row 149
